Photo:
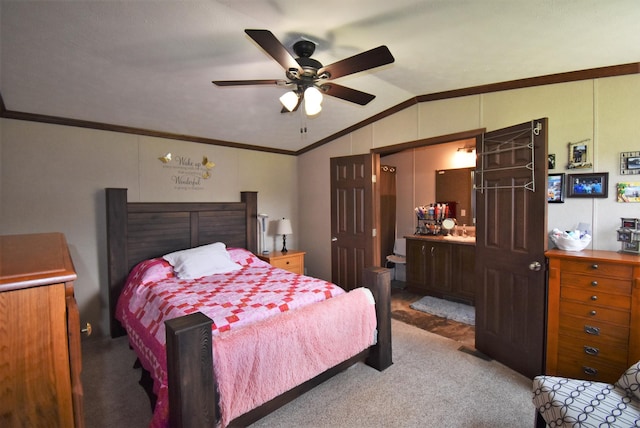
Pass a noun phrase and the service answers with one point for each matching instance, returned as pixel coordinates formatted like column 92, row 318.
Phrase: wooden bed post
column 191, row 381
column 116, row 251
column 251, row 199
column 378, row 280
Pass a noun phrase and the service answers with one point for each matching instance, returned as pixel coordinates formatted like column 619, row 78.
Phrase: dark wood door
column 353, row 219
column 510, row 244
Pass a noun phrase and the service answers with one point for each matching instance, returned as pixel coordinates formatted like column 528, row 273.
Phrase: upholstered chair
column 565, row 402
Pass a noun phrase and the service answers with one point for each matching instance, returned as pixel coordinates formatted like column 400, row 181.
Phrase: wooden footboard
column 192, row 395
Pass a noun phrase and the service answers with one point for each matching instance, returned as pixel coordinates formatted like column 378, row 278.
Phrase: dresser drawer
column 598, row 332
column 593, row 350
column 293, row 260
column 593, row 297
column 594, row 313
column 292, row 264
column 577, row 369
column 597, row 283
column 599, row 268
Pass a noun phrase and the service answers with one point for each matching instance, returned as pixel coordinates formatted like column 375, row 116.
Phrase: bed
column 194, row 393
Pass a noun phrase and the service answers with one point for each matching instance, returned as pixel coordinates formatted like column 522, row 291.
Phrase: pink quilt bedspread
column 236, row 302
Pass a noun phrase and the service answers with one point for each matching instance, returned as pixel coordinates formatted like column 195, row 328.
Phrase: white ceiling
column 149, row 64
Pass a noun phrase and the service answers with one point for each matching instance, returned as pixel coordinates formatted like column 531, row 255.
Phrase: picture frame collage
column 591, row 184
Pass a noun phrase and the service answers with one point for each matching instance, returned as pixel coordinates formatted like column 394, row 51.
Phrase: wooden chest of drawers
column 293, row 260
column 593, row 314
column 40, row 361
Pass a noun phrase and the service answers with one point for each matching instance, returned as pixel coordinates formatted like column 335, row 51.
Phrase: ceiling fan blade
column 277, row 82
column 360, row 62
column 273, row 47
column 347, row 94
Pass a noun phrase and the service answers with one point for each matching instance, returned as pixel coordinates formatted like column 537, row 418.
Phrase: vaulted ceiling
column 149, row 64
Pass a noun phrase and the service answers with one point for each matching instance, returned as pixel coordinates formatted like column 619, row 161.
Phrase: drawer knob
column 592, row 313
column 594, row 298
column 87, row 330
column 590, row 370
column 595, row 266
column 595, row 331
column 594, row 283
column 590, row 350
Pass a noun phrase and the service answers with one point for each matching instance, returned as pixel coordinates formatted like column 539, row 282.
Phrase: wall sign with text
column 184, row 173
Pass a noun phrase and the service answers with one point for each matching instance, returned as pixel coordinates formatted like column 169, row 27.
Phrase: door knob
column 334, row 239
column 535, row 266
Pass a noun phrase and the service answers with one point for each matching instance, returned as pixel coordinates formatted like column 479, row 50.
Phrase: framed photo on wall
column 579, row 155
column 555, row 188
column 589, row 185
column 629, row 163
column 628, row 192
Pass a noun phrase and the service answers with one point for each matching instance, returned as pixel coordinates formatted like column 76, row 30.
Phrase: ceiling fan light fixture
column 289, row 100
column 312, row 101
column 312, row 109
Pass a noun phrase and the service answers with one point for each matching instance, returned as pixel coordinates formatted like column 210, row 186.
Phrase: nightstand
column 293, row 260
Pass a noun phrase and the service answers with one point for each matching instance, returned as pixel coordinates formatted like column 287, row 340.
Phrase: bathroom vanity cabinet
column 440, row 267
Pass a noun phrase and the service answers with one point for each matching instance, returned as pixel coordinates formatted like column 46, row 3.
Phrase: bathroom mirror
column 456, row 186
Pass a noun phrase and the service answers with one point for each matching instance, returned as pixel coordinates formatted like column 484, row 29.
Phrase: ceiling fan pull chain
column 303, row 125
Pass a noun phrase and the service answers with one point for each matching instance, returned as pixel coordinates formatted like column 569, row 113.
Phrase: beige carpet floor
column 430, row 384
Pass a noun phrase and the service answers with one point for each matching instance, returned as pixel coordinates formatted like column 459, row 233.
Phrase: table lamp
column 284, row 229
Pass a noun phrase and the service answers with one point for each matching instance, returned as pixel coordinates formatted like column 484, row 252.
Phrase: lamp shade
column 312, row 101
column 289, row 100
column 284, row 227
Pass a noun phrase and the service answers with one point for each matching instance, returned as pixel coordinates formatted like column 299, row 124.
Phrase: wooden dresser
column 292, row 260
column 40, row 356
column 593, row 314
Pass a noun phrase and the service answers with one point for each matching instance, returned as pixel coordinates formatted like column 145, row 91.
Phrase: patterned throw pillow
column 630, row 381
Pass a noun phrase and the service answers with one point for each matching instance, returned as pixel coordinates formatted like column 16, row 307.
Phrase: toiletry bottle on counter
column 464, row 230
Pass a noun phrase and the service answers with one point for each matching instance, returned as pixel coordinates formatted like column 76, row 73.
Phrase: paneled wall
column 603, row 111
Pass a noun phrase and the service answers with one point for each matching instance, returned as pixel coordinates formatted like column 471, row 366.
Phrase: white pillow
column 201, row 261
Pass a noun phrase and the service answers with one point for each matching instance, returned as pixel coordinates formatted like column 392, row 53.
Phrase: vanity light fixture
column 468, row 148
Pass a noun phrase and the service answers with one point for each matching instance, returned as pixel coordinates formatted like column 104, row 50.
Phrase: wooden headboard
column 137, row 231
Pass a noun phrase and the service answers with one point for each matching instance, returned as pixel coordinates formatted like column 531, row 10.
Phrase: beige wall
column 53, row 179
column 604, row 111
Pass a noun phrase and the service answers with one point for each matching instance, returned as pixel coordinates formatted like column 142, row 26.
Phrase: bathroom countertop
column 464, row 240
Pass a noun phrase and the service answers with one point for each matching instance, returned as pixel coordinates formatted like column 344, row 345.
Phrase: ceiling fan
column 308, row 76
